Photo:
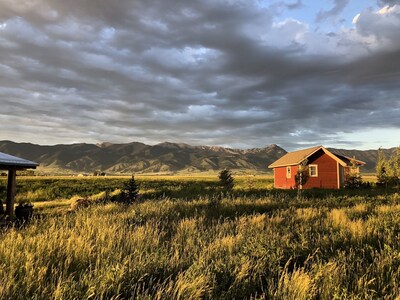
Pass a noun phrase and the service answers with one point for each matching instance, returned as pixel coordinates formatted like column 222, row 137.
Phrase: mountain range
column 165, row 157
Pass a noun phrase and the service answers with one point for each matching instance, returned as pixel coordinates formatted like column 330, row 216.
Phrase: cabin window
column 313, row 170
column 288, row 172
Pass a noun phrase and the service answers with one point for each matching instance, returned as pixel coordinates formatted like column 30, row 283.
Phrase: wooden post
column 11, row 187
column 339, row 179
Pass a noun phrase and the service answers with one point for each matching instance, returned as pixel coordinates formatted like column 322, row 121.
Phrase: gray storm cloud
column 337, row 8
column 205, row 72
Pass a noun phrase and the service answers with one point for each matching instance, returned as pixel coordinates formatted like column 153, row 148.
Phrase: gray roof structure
column 7, row 161
column 296, row 157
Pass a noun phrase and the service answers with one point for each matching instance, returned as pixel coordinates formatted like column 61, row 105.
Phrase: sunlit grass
column 250, row 245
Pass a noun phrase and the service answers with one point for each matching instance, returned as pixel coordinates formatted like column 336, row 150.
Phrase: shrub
column 80, row 203
column 353, row 181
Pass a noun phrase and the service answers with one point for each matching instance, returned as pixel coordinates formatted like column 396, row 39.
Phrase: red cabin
column 325, row 169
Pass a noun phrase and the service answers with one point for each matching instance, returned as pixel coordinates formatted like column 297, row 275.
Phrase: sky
column 232, row 73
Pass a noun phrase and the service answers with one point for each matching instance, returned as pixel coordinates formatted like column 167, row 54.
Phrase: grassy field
column 181, row 242
column 48, row 188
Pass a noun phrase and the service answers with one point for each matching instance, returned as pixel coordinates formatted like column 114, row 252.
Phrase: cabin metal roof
column 348, row 160
column 296, row 157
column 7, row 160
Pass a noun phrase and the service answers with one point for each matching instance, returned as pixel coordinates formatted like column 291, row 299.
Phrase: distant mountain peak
column 274, row 146
column 104, row 144
column 136, row 157
column 174, row 145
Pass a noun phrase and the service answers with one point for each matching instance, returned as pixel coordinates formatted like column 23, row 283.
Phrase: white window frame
column 316, row 170
column 289, row 172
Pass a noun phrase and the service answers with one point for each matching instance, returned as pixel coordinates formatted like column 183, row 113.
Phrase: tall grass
column 270, row 247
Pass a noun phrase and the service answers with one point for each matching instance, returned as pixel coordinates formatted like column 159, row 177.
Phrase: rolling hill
column 141, row 158
column 368, row 156
column 164, row 157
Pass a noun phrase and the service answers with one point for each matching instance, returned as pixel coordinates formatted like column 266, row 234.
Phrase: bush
column 353, row 181
column 80, row 203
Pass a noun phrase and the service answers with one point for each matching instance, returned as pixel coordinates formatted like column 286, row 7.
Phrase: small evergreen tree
column 130, row 191
column 226, row 180
column 381, row 169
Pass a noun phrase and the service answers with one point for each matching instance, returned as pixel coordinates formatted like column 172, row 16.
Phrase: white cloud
column 286, row 33
column 355, row 19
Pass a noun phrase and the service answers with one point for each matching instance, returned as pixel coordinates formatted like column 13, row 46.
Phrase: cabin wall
column 280, row 180
column 327, row 172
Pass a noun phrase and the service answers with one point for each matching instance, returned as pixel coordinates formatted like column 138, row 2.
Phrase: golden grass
column 175, row 177
column 296, row 285
column 178, row 250
column 307, row 214
column 358, row 229
column 272, row 246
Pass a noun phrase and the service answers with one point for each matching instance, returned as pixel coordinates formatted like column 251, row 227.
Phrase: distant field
column 182, row 241
column 370, row 177
column 47, row 188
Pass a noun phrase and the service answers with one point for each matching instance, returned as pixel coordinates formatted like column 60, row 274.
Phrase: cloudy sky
column 238, row 73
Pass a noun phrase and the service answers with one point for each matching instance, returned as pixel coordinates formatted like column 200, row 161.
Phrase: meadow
column 186, row 240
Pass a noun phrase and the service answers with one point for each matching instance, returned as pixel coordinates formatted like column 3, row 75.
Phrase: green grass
column 48, row 188
column 254, row 244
